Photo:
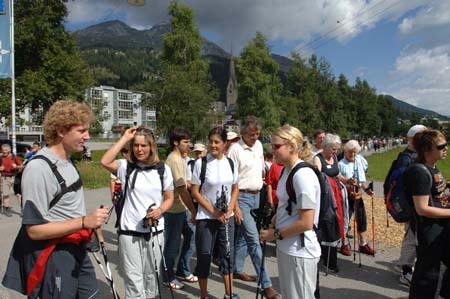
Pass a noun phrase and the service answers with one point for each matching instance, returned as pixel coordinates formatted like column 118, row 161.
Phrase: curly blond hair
column 65, row 114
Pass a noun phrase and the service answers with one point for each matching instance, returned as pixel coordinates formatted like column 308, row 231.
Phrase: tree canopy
column 48, row 65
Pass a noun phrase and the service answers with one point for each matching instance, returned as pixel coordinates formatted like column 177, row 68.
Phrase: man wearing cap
column 248, row 158
column 408, row 251
column 232, row 138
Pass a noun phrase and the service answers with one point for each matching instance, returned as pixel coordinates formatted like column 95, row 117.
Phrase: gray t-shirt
column 40, row 186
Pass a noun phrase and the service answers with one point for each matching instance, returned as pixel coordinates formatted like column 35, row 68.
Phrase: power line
column 349, row 29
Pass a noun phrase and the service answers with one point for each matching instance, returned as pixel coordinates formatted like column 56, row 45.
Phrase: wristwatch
column 277, row 234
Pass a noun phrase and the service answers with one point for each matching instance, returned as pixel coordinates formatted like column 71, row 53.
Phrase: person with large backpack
column 49, row 257
column 298, row 248
column 427, row 188
column 147, row 186
column 392, row 184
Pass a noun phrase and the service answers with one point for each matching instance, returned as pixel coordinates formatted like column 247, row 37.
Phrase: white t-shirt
column 147, row 191
column 218, row 174
column 307, row 189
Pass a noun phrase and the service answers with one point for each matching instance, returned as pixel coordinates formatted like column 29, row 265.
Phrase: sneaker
column 406, row 279
column 174, row 284
column 233, row 296
column 345, row 250
column 366, row 249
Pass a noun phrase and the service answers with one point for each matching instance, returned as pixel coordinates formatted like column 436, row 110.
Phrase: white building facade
column 120, row 108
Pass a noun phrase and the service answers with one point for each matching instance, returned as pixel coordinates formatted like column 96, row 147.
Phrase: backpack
column 17, row 186
column 191, row 164
column 328, row 225
column 130, row 167
column 398, row 203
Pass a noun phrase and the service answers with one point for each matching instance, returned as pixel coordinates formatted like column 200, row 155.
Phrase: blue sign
column 2, row 7
column 5, row 41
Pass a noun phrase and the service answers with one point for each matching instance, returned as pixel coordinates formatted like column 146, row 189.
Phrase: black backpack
column 328, row 225
column 130, row 167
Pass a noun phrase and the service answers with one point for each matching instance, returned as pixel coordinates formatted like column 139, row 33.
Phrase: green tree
column 259, row 87
column 386, row 112
column 187, row 94
column 367, row 109
column 300, row 109
column 48, row 64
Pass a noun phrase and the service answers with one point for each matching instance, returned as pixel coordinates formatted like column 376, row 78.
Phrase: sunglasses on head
column 440, row 147
column 144, row 130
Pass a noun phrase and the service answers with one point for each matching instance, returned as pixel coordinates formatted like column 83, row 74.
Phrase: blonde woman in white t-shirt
column 217, row 197
column 146, row 198
column 298, row 250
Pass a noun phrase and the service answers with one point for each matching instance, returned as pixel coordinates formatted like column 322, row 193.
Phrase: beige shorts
column 7, row 185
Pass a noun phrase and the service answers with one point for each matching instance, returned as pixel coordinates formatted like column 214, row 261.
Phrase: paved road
column 373, row 280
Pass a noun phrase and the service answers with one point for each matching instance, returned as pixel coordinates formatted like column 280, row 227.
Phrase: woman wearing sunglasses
column 297, row 256
column 148, row 193
column 427, row 186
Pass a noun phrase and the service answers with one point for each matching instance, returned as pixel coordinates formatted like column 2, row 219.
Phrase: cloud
column 306, row 23
column 434, row 15
column 421, row 78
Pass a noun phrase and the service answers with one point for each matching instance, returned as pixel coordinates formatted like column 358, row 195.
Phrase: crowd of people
column 168, row 211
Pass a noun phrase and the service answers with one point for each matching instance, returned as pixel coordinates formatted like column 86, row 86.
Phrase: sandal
column 190, row 278
column 174, row 284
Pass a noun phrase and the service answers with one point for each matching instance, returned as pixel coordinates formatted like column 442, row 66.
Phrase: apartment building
column 119, row 108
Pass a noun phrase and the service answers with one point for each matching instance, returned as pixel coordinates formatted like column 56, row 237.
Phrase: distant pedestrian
column 10, row 165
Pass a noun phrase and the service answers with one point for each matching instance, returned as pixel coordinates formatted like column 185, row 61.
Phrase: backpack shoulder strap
column 290, row 185
column 161, row 169
column 61, row 181
column 203, row 172
column 231, row 164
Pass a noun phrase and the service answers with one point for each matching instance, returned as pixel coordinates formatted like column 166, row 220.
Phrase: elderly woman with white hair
column 353, row 168
column 327, row 162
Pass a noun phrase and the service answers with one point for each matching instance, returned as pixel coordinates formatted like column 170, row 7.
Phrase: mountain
column 133, row 43
column 405, row 110
column 119, row 36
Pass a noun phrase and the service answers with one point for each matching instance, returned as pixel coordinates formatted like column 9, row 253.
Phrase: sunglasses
column 440, row 147
column 277, row 146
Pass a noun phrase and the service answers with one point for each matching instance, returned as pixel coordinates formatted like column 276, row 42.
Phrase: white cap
column 199, row 147
column 415, row 129
column 232, row 135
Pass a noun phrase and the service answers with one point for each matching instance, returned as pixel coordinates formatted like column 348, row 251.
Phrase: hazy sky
column 401, row 47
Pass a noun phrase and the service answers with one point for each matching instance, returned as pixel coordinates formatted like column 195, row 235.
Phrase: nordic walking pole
column 370, row 187
column 101, row 240
column 153, row 224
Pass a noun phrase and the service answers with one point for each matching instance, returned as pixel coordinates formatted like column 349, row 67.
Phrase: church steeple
column 232, row 92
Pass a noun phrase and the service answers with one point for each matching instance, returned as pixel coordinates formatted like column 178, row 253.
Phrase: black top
column 330, row 170
column 418, row 183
